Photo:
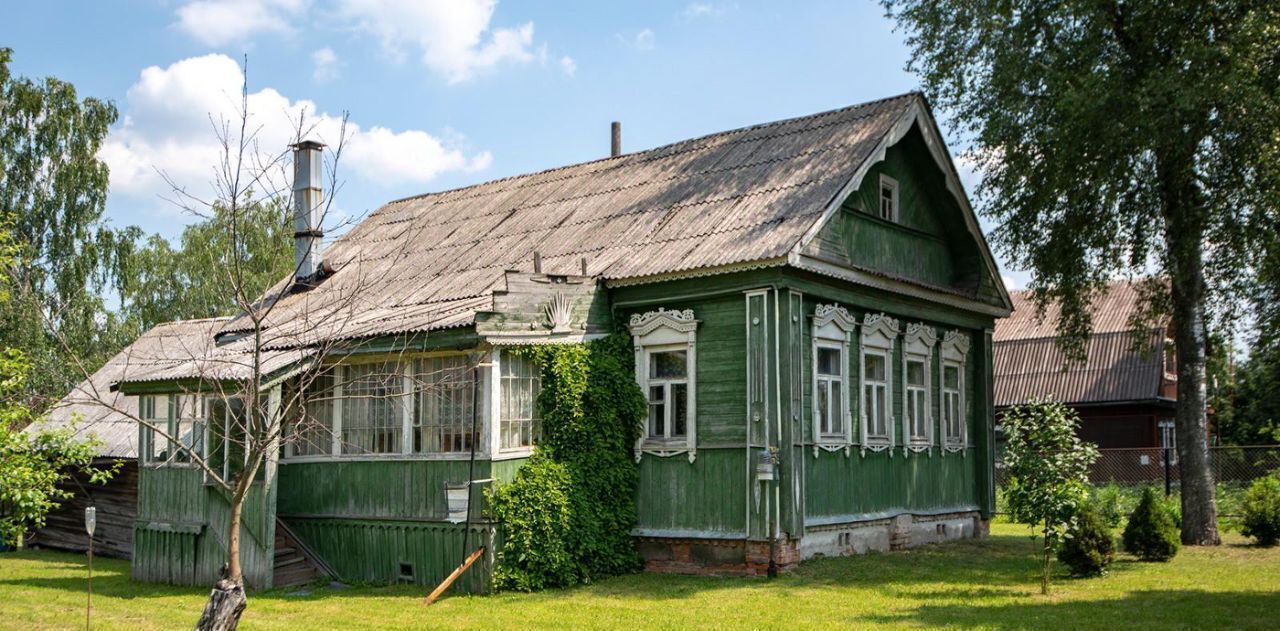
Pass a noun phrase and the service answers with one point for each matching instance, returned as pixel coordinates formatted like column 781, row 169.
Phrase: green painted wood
column 704, row 496
column 386, row 489
column 849, row 485
column 373, row 551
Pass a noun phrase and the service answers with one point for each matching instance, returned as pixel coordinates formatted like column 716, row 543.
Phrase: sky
column 445, row 93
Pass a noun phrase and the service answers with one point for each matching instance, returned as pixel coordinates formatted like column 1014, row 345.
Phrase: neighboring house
column 817, row 285
column 1125, row 393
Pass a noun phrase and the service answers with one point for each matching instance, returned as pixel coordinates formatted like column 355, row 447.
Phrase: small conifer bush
column 1262, row 510
column 1152, row 534
column 1089, row 547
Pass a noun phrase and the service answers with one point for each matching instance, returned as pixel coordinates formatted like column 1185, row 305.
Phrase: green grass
column 987, row 584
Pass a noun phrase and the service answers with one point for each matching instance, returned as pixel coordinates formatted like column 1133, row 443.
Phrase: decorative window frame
column 833, row 327
column 891, row 184
column 879, row 334
column 955, row 349
column 666, row 330
column 918, row 343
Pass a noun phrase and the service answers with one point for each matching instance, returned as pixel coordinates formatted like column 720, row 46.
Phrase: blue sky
column 445, row 93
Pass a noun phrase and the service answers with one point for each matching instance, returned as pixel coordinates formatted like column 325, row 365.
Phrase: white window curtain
column 372, row 420
column 521, row 425
column 442, row 419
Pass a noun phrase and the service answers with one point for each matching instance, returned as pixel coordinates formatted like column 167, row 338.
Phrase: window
column 666, row 370
column 951, row 403
column 879, row 334
column 832, row 328
column 875, row 391
column 917, row 393
column 520, row 425
column 153, row 411
column 372, row 408
column 829, row 405
column 313, row 426
column 443, row 415
column 888, row 198
column 187, row 428
column 226, row 435
column 1168, row 439
column 668, row 394
column 955, row 415
column 917, row 404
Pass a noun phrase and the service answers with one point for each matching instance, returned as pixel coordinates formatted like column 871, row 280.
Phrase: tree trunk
column 1047, row 567
column 226, row 603
column 233, row 539
column 1184, row 237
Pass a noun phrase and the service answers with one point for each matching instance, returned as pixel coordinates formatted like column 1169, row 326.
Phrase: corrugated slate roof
column 432, row 261
column 1028, row 363
column 110, row 415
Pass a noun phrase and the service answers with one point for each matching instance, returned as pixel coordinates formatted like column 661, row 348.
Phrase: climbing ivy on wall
column 568, row 512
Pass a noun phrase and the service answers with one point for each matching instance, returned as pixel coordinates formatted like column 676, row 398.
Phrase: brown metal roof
column 1112, row 309
column 1113, row 370
column 432, row 261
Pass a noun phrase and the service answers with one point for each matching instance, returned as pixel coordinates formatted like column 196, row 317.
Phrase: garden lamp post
column 90, row 521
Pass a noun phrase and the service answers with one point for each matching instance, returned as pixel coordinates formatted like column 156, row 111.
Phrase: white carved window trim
column 890, row 184
column 955, row 348
column 659, row 331
column 879, row 334
column 833, row 327
column 918, row 343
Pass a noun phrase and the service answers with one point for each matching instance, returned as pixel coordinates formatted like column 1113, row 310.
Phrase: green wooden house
column 811, row 303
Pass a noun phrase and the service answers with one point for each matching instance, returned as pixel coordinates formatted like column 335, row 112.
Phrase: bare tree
column 234, row 385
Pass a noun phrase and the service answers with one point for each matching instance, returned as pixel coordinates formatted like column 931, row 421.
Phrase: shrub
column 1089, row 547
column 536, row 515
column 1261, row 510
column 1152, row 533
column 1110, row 503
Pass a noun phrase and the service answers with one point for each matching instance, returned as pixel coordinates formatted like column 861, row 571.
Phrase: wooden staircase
column 295, row 564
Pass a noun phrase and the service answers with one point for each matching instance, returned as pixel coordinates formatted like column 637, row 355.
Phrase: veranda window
column 313, row 429
column 153, row 411
column 371, row 408
column 187, row 428
column 668, row 387
column 226, row 423
column 830, row 403
column 520, row 422
column 442, row 419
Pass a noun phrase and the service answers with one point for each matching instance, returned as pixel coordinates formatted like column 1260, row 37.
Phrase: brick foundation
column 715, row 557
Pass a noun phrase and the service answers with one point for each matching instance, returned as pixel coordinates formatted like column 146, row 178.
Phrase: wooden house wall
column 117, row 507
column 366, row 518
column 180, row 535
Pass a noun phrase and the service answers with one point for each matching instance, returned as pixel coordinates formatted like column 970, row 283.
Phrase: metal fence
column 1235, row 466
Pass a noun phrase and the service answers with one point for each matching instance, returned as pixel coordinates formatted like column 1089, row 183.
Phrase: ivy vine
column 567, row 514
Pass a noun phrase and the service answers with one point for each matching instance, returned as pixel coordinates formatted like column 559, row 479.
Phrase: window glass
column 667, row 365
column 680, row 409
column 443, row 410
column 874, row 366
column 152, row 409
column 313, row 424
column 951, row 377
column 521, row 424
column 371, row 415
column 915, row 373
column 828, row 361
column 188, row 428
column 657, row 411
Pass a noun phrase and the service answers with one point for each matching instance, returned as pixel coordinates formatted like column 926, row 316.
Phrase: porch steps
column 294, row 563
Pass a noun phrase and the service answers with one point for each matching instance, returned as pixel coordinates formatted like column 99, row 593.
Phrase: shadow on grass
column 1154, row 608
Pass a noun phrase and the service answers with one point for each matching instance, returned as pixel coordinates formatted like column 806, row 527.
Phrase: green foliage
column 1047, row 467
column 582, row 470
column 53, row 187
column 1089, row 547
column 1256, row 401
column 32, row 465
column 249, row 249
column 1109, row 503
column 1152, row 532
column 1262, row 510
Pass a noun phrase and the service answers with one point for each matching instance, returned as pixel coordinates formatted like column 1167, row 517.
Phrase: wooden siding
column 854, row 486
column 704, row 498
column 373, row 489
column 371, row 551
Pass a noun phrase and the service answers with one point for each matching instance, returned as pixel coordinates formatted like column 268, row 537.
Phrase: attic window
column 888, row 198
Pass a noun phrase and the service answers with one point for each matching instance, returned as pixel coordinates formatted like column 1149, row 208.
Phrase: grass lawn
column 989, row 583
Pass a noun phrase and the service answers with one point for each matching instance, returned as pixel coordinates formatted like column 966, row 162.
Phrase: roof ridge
column 562, row 167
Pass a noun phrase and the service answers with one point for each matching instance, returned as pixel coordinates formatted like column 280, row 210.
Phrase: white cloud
column 642, row 40
column 326, row 65
column 168, row 126
column 568, row 66
column 221, row 22
column 454, row 38
column 695, row 10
